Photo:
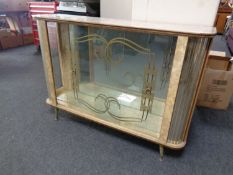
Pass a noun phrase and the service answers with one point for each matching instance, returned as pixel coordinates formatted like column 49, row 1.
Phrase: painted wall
column 194, row 12
column 13, row 5
column 115, row 9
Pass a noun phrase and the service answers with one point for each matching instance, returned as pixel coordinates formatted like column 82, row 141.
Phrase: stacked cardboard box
column 217, row 86
column 16, row 32
column 5, row 33
column 28, row 39
column 9, row 39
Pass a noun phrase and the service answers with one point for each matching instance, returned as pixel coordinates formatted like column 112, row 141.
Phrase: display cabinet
column 137, row 77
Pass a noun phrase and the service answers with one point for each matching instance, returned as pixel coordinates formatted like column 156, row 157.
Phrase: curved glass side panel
column 195, row 55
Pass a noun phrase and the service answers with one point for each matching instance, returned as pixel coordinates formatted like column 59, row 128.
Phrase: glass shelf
column 129, row 107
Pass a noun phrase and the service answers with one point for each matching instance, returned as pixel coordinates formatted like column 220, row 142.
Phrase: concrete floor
column 32, row 143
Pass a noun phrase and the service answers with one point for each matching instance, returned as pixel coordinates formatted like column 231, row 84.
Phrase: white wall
column 115, row 9
column 194, row 12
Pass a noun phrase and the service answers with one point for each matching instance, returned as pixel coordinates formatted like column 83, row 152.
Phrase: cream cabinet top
column 163, row 28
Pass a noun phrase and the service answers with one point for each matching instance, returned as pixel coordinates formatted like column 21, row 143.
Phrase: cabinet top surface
column 130, row 25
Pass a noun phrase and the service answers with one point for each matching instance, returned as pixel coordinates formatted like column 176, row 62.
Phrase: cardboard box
column 28, row 39
column 218, row 61
column 19, row 40
column 11, row 41
column 5, row 33
column 217, row 86
column 216, row 89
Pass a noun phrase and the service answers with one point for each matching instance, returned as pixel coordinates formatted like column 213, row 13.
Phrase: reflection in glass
column 120, row 76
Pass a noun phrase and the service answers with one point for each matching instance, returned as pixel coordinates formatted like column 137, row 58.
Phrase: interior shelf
column 92, row 99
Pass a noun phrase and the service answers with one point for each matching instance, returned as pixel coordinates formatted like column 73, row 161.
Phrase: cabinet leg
column 56, row 113
column 161, row 152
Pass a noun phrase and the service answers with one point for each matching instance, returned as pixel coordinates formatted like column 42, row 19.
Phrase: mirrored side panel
column 53, row 44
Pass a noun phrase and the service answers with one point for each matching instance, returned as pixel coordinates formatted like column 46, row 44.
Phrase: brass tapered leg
column 161, row 151
column 56, row 113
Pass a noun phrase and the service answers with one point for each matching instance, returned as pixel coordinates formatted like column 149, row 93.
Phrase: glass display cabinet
column 138, row 77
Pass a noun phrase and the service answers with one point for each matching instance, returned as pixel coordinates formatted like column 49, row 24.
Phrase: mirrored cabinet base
column 137, row 77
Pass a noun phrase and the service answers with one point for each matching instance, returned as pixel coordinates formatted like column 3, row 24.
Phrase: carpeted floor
column 32, row 143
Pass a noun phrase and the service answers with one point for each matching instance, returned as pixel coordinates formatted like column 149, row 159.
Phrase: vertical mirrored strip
column 91, row 55
column 53, row 44
column 64, row 55
column 167, row 62
column 75, row 59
